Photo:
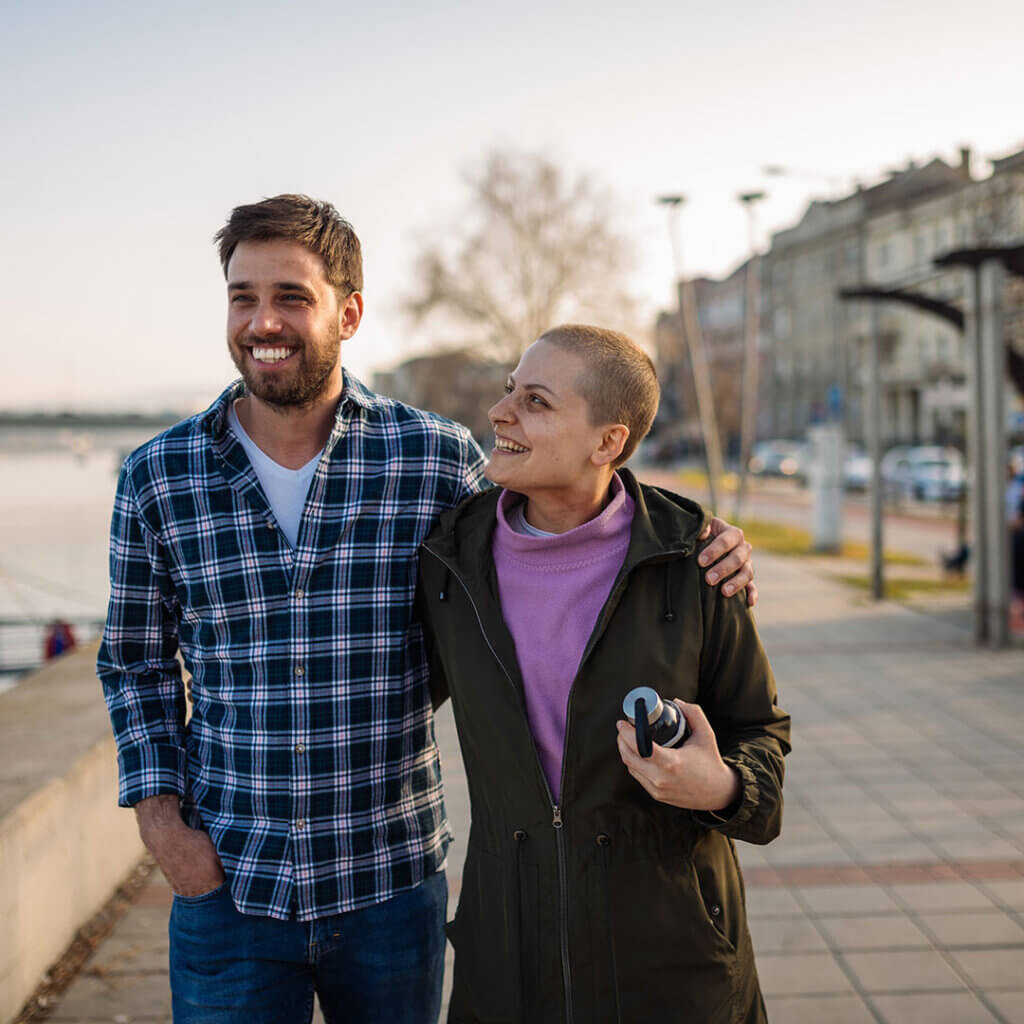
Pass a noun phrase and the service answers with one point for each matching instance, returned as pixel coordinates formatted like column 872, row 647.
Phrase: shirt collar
column 354, row 395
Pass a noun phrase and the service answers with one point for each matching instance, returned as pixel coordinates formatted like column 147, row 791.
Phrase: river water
column 55, row 501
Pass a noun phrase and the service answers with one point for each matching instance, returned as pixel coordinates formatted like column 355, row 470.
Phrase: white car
column 927, row 472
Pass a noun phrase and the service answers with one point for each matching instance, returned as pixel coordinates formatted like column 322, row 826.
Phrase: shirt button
column 300, row 748
column 299, row 670
column 300, row 594
column 271, row 525
column 300, row 824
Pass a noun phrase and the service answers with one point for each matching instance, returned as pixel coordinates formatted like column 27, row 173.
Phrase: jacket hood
column 664, row 523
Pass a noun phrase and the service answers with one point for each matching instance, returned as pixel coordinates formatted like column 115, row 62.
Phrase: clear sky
column 129, row 130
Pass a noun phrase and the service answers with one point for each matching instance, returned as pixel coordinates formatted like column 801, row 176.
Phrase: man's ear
column 613, row 440
column 349, row 315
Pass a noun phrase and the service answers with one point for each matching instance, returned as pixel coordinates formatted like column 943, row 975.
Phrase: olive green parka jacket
column 609, row 906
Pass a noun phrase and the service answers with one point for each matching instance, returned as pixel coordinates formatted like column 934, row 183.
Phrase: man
column 272, row 541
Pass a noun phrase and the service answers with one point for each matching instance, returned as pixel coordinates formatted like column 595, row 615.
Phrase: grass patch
column 899, row 589
column 780, row 539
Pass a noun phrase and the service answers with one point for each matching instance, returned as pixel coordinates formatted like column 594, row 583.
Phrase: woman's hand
column 693, row 776
column 728, row 555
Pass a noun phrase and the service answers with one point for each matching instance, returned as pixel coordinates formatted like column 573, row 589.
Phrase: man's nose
column 265, row 320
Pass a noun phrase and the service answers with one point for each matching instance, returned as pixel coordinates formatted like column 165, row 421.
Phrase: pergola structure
column 986, row 436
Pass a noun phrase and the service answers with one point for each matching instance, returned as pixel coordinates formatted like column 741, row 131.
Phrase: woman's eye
column 508, row 389
column 536, row 400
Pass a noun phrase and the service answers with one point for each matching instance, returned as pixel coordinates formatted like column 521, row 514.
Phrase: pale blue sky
column 130, row 130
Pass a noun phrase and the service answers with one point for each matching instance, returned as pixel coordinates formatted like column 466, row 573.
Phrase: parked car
column 926, row 472
column 856, row 470
column 779, row 459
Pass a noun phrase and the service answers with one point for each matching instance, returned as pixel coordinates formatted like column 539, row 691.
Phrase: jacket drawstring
column 670, row 615
column 520, row 836
column 604, row 843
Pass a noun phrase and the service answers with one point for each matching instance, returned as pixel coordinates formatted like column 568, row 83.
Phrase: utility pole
column 751, row 355
column 693, row 340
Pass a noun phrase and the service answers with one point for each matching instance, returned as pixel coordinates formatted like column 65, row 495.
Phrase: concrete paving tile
column 772, row 903
column 836, row 1009
column 144, row 921
column 816, row 854
column 1010, row 894
column 903, row 971
column 1009, row 1004
column 892, row 851
column 941, row 896
column 980, row 847
column 801, row 974
column 874, row 931
column 974, row 929
column 786, row 935
column 993, row 968
column 133, row 997
column 122, row 954
column 922, row 1008
column 847, row 899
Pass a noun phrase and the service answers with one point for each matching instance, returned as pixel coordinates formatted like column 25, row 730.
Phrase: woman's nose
column 501, row 411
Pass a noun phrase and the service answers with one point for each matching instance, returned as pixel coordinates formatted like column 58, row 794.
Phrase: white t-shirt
column 286, row 489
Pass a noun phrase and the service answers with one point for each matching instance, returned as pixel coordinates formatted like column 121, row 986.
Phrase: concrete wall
column 65, row 845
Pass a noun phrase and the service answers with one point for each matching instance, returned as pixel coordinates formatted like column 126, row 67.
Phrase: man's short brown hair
column 619, row 382
column 312, row 223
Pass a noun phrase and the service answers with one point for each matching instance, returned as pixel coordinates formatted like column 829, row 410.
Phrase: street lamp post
column 693, row 340
column 751, row 355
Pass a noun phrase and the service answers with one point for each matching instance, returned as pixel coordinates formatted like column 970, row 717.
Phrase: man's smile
column 269, row 355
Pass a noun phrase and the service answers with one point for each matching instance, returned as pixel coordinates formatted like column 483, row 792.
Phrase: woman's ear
column 613, row 440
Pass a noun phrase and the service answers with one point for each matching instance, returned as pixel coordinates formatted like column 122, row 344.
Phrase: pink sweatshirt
column 552, row 590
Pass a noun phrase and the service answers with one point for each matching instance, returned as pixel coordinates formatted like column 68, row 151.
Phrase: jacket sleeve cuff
column 149, row 769
column 742, row 808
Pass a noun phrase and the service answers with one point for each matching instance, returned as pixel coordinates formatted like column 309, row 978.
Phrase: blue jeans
column 382, row 963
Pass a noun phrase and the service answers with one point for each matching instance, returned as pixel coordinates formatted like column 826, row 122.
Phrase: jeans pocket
column 204, row 897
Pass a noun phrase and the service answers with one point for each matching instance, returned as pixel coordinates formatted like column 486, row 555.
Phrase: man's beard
column 303, row 384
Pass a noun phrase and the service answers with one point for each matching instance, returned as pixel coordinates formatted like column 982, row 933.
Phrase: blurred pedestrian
column 1015, row 524
column 599, row 885
column 272, row 540
column 59, row 637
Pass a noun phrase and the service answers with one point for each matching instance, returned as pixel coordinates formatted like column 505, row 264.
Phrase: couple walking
column 326, row 561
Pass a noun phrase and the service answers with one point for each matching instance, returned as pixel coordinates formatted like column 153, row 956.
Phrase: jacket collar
column 664, row 525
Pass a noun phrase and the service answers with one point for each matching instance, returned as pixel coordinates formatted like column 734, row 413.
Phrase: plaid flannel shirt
column 309, row 757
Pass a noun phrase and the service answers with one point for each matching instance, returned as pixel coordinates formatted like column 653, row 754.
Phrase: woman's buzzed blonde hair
column 619, row 382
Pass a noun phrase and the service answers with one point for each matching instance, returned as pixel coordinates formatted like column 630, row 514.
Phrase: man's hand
column 729, row 557
column 693, row 776
column 186, row 856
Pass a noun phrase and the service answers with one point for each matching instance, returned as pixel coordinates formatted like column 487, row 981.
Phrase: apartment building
column 813, row 344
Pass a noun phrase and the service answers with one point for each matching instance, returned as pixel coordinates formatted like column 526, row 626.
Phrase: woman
column 598, row 885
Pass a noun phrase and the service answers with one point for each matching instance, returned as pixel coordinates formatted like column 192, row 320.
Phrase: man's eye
column 237, row 300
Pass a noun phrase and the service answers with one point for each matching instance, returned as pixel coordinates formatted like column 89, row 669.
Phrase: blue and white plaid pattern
column 310, row 756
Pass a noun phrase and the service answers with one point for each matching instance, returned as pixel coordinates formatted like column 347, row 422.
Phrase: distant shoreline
column 91, row 420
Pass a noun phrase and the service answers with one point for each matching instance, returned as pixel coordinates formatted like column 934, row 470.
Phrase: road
column 916, row 528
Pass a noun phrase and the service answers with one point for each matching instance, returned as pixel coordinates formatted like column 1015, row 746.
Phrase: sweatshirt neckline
column 607, row 533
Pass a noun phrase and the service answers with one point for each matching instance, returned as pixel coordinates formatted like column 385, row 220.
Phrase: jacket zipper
column 563, row 907
column 556, row 810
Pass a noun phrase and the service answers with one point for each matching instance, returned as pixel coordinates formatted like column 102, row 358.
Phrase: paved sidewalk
column 896, row 892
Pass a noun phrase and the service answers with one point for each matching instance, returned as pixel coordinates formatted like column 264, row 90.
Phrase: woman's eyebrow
column 532, row 387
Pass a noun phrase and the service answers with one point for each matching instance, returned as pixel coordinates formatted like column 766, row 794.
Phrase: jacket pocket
column 485, row 937
column 667, row 945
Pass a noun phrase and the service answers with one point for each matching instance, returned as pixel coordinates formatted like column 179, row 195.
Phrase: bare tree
column 534, row 248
